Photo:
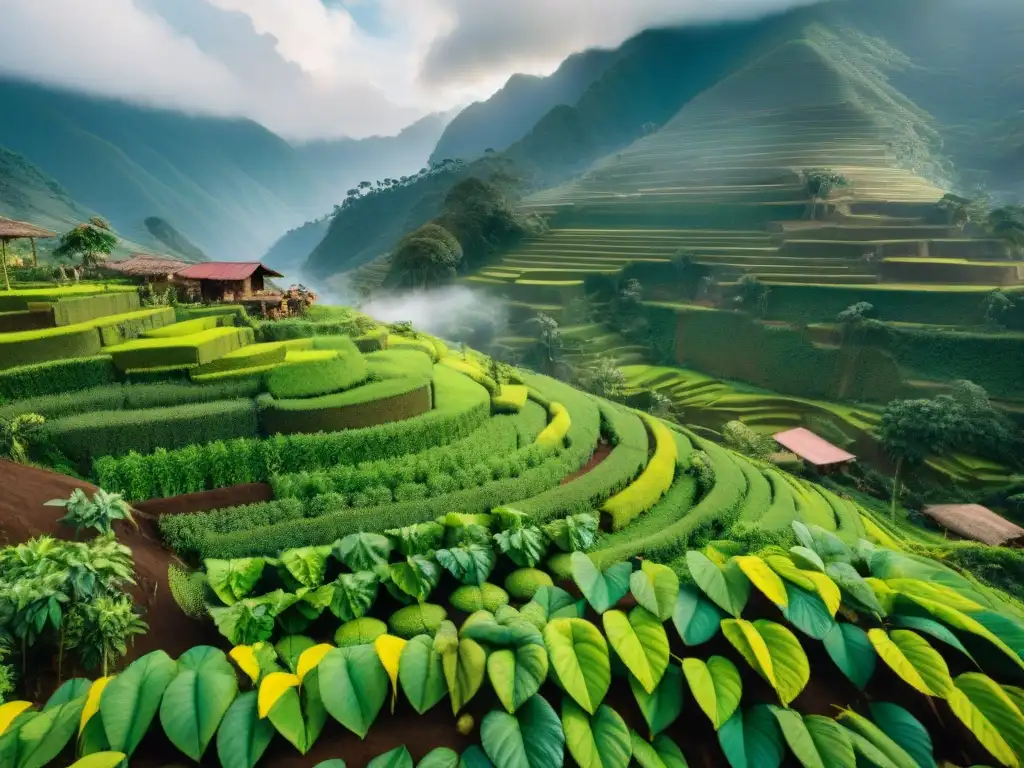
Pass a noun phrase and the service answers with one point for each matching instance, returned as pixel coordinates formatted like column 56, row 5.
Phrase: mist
column 456, row 313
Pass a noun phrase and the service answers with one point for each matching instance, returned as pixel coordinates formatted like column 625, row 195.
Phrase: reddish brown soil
column 599, row 455
column 221, row 498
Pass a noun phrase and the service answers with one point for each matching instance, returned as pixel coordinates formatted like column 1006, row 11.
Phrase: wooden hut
column 816, row 451
column 19, row 230
column 978, row 523
column 158, row 271
column 230, row 281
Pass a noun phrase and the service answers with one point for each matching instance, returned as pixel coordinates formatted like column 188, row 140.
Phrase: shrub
column 422, row 619
column 56, row 377
column 71, row 310
column 486, row 597
column 422, row 344
column 560, row 566
column 250, row 356
column 183, row 533
column 359, row 631
column 474, row 373
column 282, row 330
column 115, row 433
column 652, row 484
column 555, row 432
column 186, row 328
column 366, row 406
column 510, row 399
column 235, row 313
column 188, row 590
column 313, row 378
column 29, row 347
column 196, row 349
column 522, row 584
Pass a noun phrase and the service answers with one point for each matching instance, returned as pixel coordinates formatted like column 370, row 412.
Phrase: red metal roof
column 225, row 270
column 809, row 447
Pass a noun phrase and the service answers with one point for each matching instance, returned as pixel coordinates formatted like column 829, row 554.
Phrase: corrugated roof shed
column 809, row 447
column 973, row 521
column 11, row 229
column 225, row 270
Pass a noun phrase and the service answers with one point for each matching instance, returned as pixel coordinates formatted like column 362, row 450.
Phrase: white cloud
column 306, row 68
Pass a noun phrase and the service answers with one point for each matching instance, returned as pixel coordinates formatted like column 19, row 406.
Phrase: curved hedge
column 510, row 399
column 474, row 373
column 781, row 511
column 243, row 358
column 367, row 406
column 644, row 492
column 184, row 328
column 313, row 378
column 759, row 492
column 555, row 432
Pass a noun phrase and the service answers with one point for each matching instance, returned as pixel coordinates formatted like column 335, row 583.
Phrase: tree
column 15, row 436
column 995, row 305
column 961, row 210
column 603, row 378
column 853, row 322
column 430, row 254
column 752, row 294
column 1007, row 223
column 819, row 184
column 92, row 243
column 910, row 430
column 548, row 336
column 743, row 439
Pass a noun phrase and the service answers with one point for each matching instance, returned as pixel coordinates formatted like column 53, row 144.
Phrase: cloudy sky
column 320, row 68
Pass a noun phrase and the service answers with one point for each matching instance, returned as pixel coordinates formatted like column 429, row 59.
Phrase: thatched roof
column 146, row 265
column 12, row 230
column 978, row 523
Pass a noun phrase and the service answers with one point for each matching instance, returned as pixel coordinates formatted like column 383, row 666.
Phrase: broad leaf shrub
column 507, row 661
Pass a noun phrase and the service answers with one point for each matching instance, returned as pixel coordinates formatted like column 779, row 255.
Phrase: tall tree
column 819, row 184
column 431, row 254
column 853, row 322
column 91, row 243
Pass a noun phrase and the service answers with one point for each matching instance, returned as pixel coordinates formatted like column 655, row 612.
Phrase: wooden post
column 3, row 259
column 35, row 258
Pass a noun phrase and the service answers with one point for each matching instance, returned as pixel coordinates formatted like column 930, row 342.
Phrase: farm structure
column 228, row 280
column 816, row 451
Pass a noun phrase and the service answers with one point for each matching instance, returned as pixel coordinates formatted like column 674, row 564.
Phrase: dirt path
column 599, row 455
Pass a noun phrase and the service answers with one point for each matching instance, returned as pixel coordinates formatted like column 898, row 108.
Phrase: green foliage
column 90, row 243
column 318, row 377
column 56, row 377
column 653, row 482
column 16, row 434
column 192, row 350
column 574, row 533
column 602, row 589
column 420, row 619
column 523, row 583
column 485, row 597
column 188, row 590
column 99, row 513
column 429, row 255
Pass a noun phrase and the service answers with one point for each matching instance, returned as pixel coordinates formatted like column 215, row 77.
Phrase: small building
column 977, row 523
column 158, row 271
column 814, row 450
column 229, row 281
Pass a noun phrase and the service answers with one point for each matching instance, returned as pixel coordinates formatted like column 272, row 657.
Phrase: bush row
column 558, row 428
column 184, row 328
column 18, row 299
column 57, row 377
column 88, row 436
column 316, row 377
column 231, row 314
column 453, row 419
column 644, row 492
column 193, row 350
column 510, row 399
column 282, row 330
column 759, row 491
column 249, row 356
column 82, row 309
column 422, row 344
column 475, row 374
column 118, row 397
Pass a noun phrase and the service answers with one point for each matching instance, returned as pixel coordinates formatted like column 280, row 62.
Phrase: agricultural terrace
column 357, row 547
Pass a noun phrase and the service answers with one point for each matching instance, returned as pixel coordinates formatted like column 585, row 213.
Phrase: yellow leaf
column 245, row 657
column 788, row 570
column 389, row 649
column 983, row 729
column 272, row 688
column 748, row 641
column 914, row 588
column 100, row 760
column 882, row 591
column 92, row 701
column 827, row 590
column 764, row 578
column 310, row 658
column 11, row 710
column 877, row 534
column 912, row 658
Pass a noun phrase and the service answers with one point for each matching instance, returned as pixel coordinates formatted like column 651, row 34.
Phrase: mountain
column 28, row 194
column 291, row 250
column 171, row 239
column 510, row 113
column 230, row 186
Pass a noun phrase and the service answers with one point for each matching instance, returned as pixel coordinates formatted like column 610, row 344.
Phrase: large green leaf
column 773, row 652
column 524, row 546
column 464, row 662
column 363, row 551
column 602, row 589
column 752, row 739
column 421, row 673
column 984, row 730
column 727, row 586
column 911, row 657
column 763, row 577
column 598, row 741
column 441, row 757
column 579, row 655
column 574, row 533
column 887, row 564
column 855, row 588
column 656, row 588
column 829, row 547
column 43, row 738
column 291, row 647
column 532, row 738
column 131, row 700
column 851, row 650
column 998, row 708
column 353, row 594
column 807, row 612
column 716, row 686
column 517, row 674
column 306, row 565
column 661, row 753
column 474, row 757
column 335, row 762
column 641, row 642
column 469, row 563
column 1003, row 627
column 664, row 706
column 231, row 580
column 831, row 741
column 300, row 717
column 398, row 757
column 243, row 737
column 353, row 686
column 933, row 629
column 416, row 577
column 798, row 737
column 68, row 691
column 696, row 618
column 549, row 603
column 197, row 699
column 419, row 539
column 895, row 732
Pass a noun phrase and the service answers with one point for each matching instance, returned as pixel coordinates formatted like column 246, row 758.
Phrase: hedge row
column 184, row 328
column 117, row 397
column 17, row 299
column 400, row 363
column 56, row 377
column 557, row 429
column 88, row 436
column 236, row 312
column 422, row 344
column 619, row 468
column 475, row 374
column 196, row 349
column 315, row 377
column 452, row 419
column 250, row 356
column 759, row 491
column 282, row 330
column 644, row 492
column 510, row 399
column 781, row 511
column 82, row 309
column 497, row 438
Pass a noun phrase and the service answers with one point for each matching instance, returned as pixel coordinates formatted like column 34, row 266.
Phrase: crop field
column 447, row 569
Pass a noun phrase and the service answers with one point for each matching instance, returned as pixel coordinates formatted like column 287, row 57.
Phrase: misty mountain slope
column 292, row 249
column 27, row 194
column 512, row 112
